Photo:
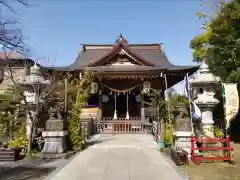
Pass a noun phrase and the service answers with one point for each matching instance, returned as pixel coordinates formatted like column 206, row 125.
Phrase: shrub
column 20, row 140
column 218, row 132
column 82, row 85
column 74, row 132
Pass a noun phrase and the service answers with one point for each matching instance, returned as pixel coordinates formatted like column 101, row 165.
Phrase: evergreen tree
column 219, row 44
column 11, row 116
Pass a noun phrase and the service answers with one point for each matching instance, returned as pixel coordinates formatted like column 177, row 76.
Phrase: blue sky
column 57, row 28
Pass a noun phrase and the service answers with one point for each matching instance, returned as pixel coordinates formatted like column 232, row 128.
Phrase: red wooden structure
column 225, row 146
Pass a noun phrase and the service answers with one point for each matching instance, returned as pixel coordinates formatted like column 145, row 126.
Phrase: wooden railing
column 109, row 125
column 123, row 125
column 225, row 147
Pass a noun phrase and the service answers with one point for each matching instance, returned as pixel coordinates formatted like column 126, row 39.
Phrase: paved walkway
column 120, row 157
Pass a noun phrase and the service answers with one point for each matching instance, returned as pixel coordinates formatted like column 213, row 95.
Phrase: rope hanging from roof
column 122, row 90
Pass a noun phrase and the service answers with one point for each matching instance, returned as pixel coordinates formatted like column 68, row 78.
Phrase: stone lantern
column 32, row 84
column 204, row 84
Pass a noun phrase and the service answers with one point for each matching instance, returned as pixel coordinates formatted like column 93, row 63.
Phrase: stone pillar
column 207, row 122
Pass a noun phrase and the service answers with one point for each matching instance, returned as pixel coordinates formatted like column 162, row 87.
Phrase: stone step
column 9, row 154
column 10, row 158
column 6, row 153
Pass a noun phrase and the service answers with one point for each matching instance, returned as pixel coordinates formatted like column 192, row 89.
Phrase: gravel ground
column 216, row 171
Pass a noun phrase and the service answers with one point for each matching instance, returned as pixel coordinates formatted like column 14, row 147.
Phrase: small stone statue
column 60, row 111
column 182, row 120
column 56, row 113
column 56, row 121
column 52, row 113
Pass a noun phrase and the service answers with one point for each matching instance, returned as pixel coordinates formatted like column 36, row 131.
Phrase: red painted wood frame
column 226, row 157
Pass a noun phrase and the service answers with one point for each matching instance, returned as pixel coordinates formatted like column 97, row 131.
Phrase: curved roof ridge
column 121, row 42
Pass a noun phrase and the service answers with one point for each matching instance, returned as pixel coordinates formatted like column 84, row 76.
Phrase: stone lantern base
column 55, row 142
column 207, row 118
column 183, row 142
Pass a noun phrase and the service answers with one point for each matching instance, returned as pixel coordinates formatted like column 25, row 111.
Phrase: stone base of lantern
column 207, row 118
column 183, row 141
column 208, row 130
column 209, row 133
column 54, row 142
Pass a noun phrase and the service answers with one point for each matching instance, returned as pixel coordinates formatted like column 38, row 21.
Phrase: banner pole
column 224, row 109
column 168, row 109
column 168, row 106
column 190, row 104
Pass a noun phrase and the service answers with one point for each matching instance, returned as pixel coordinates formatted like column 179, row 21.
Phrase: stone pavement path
column 120, row 157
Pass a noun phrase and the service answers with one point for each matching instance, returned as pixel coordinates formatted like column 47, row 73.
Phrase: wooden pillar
column 142, row 104
column 65, row 97
column 100, row 105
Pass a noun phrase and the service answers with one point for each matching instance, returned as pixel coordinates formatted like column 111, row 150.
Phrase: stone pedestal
column 55, row 135
column 207, row 122
column 55, row 142
column 183, row 141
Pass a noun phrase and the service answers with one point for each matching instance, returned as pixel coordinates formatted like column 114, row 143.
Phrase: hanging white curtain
column 127, row 113
column 115, row 107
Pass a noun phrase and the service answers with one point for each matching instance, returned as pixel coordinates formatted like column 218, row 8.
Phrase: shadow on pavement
column 98, row 142
column 25, row 173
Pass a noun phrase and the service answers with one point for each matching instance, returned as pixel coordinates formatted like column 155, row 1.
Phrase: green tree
column 11, row 116
column 154, row 99
column 165, row 110
column 79, row 91
column 219, row 44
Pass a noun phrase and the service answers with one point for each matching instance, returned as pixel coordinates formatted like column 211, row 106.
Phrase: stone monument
column 205, row 84
column 182, row 120
column 55, row 132
column 183, row 131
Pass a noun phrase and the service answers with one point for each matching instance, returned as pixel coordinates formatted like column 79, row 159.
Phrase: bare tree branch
column 6, row 3
column 11, row 37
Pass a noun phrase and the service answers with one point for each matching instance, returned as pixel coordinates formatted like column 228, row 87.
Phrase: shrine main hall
column 124, row 72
